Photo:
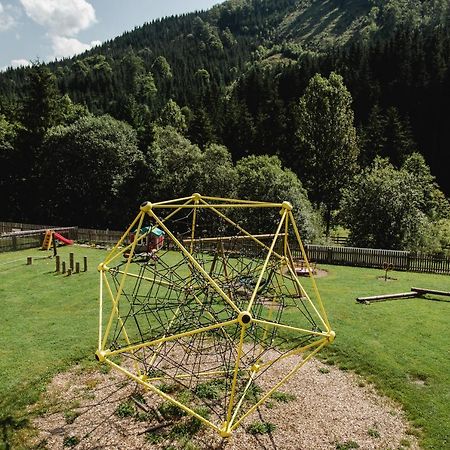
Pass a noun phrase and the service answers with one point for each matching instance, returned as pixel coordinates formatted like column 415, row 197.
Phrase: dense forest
column 340, row 107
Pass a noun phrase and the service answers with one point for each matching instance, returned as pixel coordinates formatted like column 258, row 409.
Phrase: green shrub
column 261, row 428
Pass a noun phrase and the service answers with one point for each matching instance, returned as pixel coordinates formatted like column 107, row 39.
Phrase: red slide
column 62, row 239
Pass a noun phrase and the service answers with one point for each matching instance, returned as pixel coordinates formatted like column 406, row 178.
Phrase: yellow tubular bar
column 217, row 205
column 238, row 202
column 122, row 281
column 194, row 218
column 269, row 393
column 153, row 280
column 295, row 279
column 123, row 250
column 288, row 327
column 175, row 200
column 121, row 322
column 116, row 310
column 286, row 235
column 195, row 263
column 189, row 375
column 171, row 338
column 269, row 254
column 208, row 313
column 239, row 403
column 316, row 291
column 242, row 230
column 122, row 238
column 162, row 394
column 296, row 351
column 100, row 315
column 235, row 374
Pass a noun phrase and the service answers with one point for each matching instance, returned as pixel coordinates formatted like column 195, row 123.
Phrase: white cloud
column 61, row 17
column 64, row 47
column 17, row 63
column 7, row 21
column 20, row 62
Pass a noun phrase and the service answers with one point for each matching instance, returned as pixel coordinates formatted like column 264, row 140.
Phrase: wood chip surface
column 331, row 408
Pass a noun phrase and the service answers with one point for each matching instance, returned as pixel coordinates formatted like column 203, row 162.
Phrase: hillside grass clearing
column 49, row 323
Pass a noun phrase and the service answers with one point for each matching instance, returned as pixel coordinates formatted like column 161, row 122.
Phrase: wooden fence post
column 77, row 267
column 330, row 256
column 63, row 267
column 71, row 261
column 58, row 263
column 29, row 260
column 85, row 264
column 69, row 272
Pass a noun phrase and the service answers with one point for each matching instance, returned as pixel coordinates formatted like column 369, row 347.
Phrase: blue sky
column 43, row 30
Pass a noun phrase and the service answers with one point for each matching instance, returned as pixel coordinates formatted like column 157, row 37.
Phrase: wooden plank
column 430, row 291
column 377, row 298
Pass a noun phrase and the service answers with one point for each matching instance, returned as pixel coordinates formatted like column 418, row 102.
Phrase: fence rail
column 21, row 236
column 377, row 258
column 324, row 254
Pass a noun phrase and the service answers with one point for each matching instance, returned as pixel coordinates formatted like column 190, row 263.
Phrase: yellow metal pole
column 122, row 238
column 284, row 380
column 239, row 403
column 163, row 395
column 316, row 291
column 171, row 338
column 242, row 230
column 153, row 280
column 194, row 262
column 234, row 201
column 100, row 316
column 288, row 327
column 124, row 276
column 125, row 249
column 305, row 294
column 269, row 254
column 235, row 375
column 296, row 351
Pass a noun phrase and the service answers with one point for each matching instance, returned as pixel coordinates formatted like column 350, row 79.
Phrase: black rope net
column 200, row 304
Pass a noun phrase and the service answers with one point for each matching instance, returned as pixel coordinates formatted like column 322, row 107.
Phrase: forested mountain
column 235, row 77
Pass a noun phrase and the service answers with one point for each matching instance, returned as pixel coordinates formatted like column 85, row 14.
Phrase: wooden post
column 63, row 267
column 14, row 242
column 69, row 272
column 71, row 265
column 29, row 260
column 85, row 264
column 330, row 255
column 77, row 267
column 58, row 263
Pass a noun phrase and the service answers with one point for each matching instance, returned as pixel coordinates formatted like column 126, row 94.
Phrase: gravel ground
column 332, row 409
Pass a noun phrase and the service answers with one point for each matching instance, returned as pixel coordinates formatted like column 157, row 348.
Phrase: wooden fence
column 12, row 236
column 346, row 256
column 376, row 258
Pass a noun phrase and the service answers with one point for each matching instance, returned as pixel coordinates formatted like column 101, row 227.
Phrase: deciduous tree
column 327, row 148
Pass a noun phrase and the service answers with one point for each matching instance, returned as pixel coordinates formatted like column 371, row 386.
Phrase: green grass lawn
column 49, row 322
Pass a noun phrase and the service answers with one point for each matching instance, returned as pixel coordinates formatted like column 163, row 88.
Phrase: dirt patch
column 320, row 273
column 383, row 278
column 326, row 408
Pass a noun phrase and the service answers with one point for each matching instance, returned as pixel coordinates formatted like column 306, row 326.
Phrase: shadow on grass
column 8, row 425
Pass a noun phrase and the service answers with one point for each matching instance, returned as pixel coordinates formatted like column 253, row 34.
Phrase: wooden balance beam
column 381, row 298
column 423, row 291
column 415, row 292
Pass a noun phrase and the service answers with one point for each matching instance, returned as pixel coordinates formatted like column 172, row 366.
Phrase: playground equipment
column 208, row 322
column 51, row 236
column 414, row 293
